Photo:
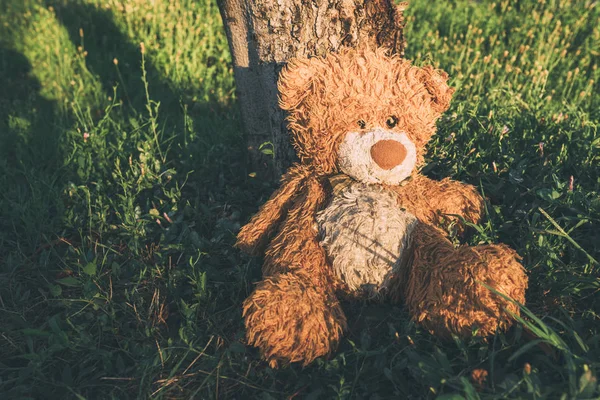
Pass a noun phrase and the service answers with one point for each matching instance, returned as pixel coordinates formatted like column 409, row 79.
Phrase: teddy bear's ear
column 296, row 80
column 436, row 83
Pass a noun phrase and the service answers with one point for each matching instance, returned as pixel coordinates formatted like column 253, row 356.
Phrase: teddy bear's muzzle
column 388, row 153
column 377, row 156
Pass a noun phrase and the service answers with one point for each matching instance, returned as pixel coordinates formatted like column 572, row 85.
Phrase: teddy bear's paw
column 291, row 320
column 455, row 301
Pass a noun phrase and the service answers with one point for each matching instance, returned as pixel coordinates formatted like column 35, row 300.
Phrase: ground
column 123, row 185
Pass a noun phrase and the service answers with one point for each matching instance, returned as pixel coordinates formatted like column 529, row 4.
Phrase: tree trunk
column 264, row 34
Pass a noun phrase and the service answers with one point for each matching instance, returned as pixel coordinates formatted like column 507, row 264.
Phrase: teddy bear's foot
column 445, row 293
column 290, row 320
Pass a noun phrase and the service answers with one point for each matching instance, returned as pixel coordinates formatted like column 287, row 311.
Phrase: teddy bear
column 354, row 218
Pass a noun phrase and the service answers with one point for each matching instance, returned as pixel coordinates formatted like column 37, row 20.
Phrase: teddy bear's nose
column 388, row 153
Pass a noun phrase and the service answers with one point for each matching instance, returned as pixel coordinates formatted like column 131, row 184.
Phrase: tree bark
column 264, row 34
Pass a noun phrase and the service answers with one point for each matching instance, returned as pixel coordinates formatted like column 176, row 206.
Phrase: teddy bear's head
column 362, row 112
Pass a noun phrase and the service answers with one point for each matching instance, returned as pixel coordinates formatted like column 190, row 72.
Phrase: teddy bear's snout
column 377, row 156
column 388, row 153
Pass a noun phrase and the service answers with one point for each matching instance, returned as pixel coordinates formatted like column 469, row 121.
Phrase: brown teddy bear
column 354, row 218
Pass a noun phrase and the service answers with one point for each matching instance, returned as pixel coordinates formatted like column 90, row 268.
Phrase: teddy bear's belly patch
column 366, row 236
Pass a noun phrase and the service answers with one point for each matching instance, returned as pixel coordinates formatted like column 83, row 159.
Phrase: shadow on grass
column 30, row 204
column 111, row 56
column 29, row 157
column 116, row 61
column 201, row 136
column 36, row 141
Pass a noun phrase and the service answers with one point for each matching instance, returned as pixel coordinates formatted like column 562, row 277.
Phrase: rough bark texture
column 264, row 34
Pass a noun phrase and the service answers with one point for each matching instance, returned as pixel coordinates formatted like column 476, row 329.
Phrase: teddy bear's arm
column 429, row 200
column 254, row 236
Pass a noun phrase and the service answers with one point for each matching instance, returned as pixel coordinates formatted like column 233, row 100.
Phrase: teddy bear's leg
column 293, row 315
column 291, row 320
column 443, row 290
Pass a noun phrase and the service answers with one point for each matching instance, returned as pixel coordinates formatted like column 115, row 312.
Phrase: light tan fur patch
column 366, row 237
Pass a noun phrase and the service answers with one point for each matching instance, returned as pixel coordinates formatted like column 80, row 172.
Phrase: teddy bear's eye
column 362, row 124
column 391, row 121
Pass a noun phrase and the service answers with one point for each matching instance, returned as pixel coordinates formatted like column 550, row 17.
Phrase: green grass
column 123, row 184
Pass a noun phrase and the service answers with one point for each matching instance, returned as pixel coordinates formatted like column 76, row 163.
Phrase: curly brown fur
column 327, row 96
column 291, row 320
column 254, row 236
column 429, row 200
column 444, row 292
column 294, row 315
